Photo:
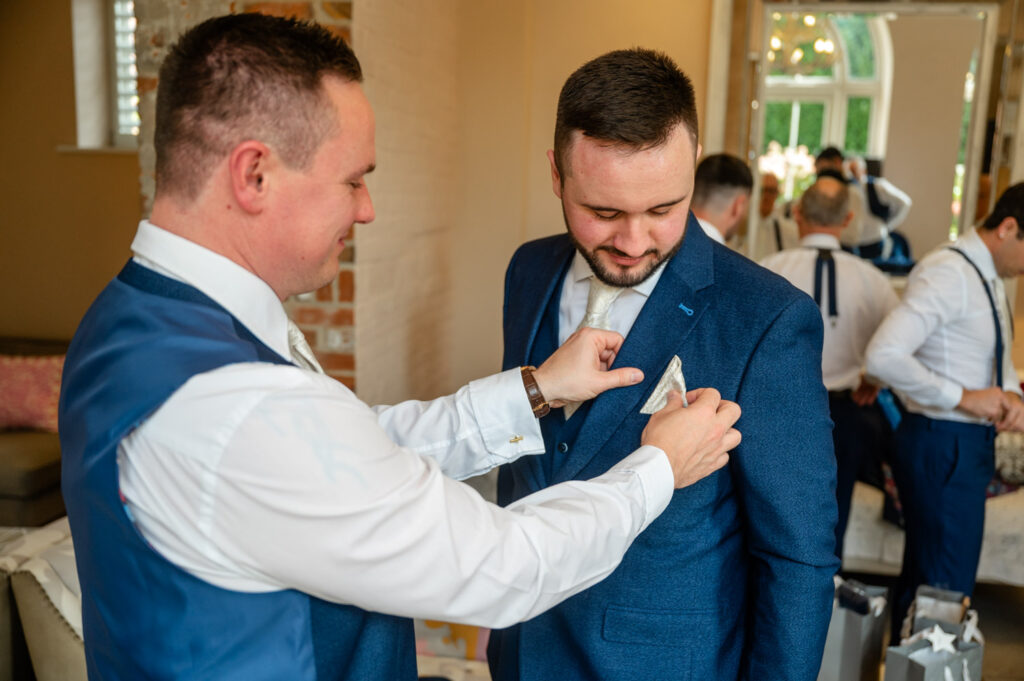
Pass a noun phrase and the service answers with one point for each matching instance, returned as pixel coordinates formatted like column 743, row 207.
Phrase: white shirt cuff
column 507, row 424
column 651, row 466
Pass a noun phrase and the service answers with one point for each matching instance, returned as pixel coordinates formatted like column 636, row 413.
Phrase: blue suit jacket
column 734, row 579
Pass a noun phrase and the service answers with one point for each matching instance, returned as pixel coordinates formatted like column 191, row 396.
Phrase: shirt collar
column 711, row 230
column 247, row 297
column 971, row 244
column 820, row 240
column 580, row 270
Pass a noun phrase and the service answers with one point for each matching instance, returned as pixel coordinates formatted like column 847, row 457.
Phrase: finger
column 704, row 397
column 729, row 411
column 673, row 401
column 732, row 439
column 617, row 378
column 606, row 340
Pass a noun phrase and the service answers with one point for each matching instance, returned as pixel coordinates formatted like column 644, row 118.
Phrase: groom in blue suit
column 734, row 580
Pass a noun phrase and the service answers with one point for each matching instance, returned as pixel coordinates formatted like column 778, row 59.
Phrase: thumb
column 674, row 401
column 618, row 378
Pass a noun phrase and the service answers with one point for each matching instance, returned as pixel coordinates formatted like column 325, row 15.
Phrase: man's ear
column 848, row 218
column 250, row 184
column 1007, row 227
column 556, row 178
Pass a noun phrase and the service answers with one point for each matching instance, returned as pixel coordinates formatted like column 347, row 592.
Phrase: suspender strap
column 778, row 234
column 826, row 262
column 995, row 317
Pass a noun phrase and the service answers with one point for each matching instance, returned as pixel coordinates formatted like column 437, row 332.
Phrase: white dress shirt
column 864, row 296
column 572, row 306
column 711, row 230
column 941, row 338
column 766, row 243
column 260, row 477
column 865, row 227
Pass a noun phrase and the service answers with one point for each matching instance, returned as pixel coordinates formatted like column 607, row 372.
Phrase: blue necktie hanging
column 825, row 261
column 995, row 318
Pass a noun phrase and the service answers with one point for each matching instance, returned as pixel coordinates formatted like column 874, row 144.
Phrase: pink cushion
column 29, row 389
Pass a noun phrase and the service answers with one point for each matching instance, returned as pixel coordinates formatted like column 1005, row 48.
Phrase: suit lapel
column 673, row 310
column 522, row 321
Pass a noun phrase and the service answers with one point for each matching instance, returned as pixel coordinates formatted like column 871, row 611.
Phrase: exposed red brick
column 325, row 294
column 338, row 10
column 346, row 286
column 308, row 315
column 337, row 361
column 342, row 32
column 345, row 316
column 146, row 84
column 310, row 337
column 298, row 10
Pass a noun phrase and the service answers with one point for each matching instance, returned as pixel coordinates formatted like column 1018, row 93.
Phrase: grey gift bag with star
column 853, row 648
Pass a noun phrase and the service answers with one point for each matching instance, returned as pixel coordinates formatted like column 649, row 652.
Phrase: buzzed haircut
column 1009, row 205
column 634, row 98
column 830, row 154
column 825, row 209
column 245, row 77
column 719, row 178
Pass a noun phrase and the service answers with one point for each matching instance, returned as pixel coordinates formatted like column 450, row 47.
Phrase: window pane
column 777, row 117
column 860, row 50
column 809, row 129
column 858, row 121
column 799, row 45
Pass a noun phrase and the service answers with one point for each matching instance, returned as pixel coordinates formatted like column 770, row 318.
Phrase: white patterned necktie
column 599, row 303
column 302, row 354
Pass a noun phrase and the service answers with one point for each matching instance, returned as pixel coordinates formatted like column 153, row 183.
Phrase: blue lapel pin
column 688, row 311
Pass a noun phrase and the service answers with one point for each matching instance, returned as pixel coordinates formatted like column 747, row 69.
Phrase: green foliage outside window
column 858, row 120
column 777, row 118
column 860, row 51
column 809, row 129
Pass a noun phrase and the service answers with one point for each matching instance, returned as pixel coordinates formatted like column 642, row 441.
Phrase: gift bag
column 934, row 655
column 853, row 648
column 933, row 606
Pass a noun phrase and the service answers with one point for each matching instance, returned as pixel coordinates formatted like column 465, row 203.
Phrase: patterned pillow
column 29, row 389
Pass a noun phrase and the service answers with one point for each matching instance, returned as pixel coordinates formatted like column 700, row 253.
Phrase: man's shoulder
column 544, row 246
column 741, row 276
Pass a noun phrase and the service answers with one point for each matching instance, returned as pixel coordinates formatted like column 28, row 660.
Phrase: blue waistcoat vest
column 143, row 617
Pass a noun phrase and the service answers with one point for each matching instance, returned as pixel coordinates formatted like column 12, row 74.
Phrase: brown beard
column 620, row 278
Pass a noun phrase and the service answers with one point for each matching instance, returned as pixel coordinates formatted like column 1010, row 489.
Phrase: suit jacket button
column 563, row 447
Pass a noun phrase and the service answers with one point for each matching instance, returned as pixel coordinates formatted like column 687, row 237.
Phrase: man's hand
column 1013, row 415
column 866, row 393
column 697, row 438
column 578, row 370
column 988, row 404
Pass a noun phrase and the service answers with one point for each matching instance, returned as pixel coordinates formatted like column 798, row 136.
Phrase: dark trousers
column 941, row 469
column 862, row 438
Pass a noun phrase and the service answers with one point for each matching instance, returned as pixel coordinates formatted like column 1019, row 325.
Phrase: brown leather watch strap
column 539, row 405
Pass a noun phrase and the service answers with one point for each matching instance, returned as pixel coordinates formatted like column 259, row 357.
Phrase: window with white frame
column 827, row 84
column 106, row 94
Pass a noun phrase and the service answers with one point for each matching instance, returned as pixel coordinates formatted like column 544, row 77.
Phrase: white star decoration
column 940, row 640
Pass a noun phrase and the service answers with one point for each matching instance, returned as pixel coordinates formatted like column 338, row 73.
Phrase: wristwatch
column 539, row 405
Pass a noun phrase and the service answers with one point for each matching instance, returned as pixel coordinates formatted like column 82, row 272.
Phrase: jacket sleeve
column 786, row 474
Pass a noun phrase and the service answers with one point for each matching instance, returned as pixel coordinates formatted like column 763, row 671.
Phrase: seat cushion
column 29, row 463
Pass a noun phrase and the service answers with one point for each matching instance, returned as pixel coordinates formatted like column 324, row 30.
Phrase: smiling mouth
column 623, row 259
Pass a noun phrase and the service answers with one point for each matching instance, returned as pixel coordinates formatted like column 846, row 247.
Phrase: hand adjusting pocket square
column 672, row 379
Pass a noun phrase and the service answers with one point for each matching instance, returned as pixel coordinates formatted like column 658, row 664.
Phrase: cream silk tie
column 302, row 354
column 599, row 302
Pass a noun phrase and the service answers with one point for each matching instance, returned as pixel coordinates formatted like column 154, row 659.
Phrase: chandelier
column 800, row 45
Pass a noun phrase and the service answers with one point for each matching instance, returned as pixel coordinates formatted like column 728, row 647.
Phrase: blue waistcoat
column 143, row 617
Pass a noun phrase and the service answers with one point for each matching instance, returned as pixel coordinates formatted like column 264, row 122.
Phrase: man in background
column 853, row 297
column 946, row 348
column 878, row 207
column 757, row 536
column 721, row 195
column 776, row 230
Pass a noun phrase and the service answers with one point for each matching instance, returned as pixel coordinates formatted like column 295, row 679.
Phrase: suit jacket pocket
column 673, row 628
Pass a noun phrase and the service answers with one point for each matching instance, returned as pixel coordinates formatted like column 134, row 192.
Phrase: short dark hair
column 719, row 175
column 239, row 77
column 634, row 98
column 831, row 154
column 825, row 209
column 1009, row 205
column 834, row 174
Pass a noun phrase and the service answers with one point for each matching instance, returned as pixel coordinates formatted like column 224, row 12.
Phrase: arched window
column 827, row 84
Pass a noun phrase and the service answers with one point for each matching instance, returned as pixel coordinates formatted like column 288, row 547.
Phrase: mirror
column 905, row 87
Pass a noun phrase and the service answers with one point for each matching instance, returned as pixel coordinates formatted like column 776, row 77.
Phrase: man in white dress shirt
column 946, row 349
column 854, row 298
column 721, row 195
column 878, row 206
column 238, row 514
column 776, row 231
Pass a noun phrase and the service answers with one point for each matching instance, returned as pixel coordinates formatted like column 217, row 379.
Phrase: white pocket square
column 672, row 379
